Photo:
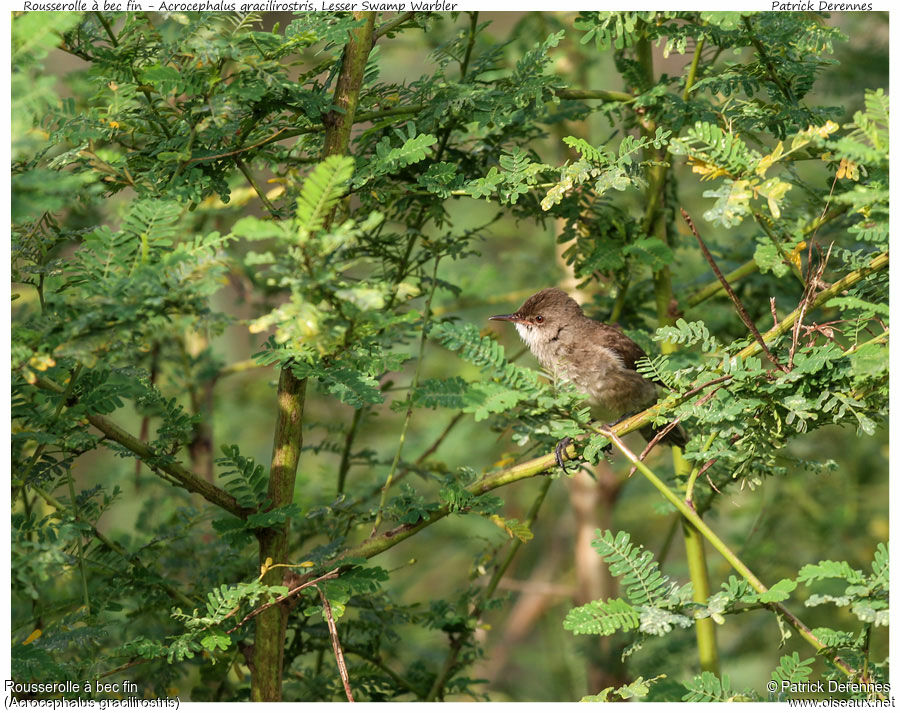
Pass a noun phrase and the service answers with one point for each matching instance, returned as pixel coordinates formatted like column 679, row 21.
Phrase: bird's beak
column 506, row 318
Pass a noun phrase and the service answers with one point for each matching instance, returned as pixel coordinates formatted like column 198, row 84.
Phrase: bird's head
column 542, row 315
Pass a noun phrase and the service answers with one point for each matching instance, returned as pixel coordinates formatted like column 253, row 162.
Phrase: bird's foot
column 560, row 451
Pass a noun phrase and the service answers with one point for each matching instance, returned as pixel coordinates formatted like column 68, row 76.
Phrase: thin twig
column 239, row 162
column 698, row 389
column 706, row 466
column 344, row 466
column 392, row 24
column 119, row 669
column 660, row 434
column 742, row 312
column 336, row 645
column 695, row 473
column 812, row 240
column 663, row 432
column 808, row 294
column 240, row 366
column 259, row 610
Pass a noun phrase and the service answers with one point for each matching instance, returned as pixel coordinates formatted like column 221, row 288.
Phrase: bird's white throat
column 539, row 347
column 527, row 332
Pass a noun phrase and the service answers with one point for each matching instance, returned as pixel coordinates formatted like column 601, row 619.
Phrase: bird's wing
column 624, row 346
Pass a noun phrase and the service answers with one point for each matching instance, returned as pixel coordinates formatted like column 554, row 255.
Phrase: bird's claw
column 560, row 450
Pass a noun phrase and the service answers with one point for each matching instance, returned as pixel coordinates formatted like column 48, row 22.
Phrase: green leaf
column 769, row 258
column 779, row 591
column 252, row 228
column 441, row 393
column 603, row 618
column 829, row 569
column 792, row 669
column 244, row 478
column 636, row 689
column 351, row 386
column 161, row 76
column 660, row 622
column 650, row 251
column 639, row 571
column 881, row 566
column 215, row 640
column 485, row 398
column 707, row 688
column 322, row 189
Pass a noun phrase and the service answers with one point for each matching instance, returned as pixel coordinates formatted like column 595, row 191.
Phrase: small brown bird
column 597, row 358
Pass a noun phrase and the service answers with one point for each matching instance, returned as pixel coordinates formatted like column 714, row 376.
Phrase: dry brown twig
column 669, row 426
column 336, row 645
column 660, row 434
column 259, row 610
column 809, row 293
column 742, row 311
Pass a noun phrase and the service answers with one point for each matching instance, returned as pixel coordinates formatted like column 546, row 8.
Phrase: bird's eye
column 539, row 319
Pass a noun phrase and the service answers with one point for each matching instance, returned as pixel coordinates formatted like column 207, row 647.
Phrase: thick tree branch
column 268, row 647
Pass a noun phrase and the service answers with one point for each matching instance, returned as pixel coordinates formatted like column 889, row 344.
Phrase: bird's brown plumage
column 597, row 358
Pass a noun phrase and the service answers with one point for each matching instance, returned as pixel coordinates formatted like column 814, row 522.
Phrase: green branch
column 705, row 629
column 697, row 522
column 268, row 648
column 602, row 94
column 178, row 474
column 392, row 24
column 692, row 72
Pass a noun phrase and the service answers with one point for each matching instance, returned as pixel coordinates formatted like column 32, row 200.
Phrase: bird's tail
column 676, row 437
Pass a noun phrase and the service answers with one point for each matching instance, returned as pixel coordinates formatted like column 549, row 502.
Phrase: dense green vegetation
column 265, row 444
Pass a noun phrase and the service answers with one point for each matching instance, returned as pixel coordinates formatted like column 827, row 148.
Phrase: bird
column 597, row 358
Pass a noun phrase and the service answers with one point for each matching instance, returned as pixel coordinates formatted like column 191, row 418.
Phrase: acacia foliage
column 184, row 122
